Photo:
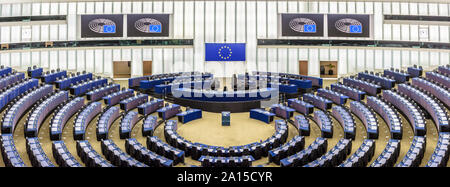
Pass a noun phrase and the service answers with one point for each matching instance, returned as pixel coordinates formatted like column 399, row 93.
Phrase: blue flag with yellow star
column 224, row 51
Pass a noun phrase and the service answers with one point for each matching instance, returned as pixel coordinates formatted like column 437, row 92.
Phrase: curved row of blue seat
column 84, row 117
column 89, row 156
column 256, row 149
column 99, row 93
column 84, row 87
column 67, row 82
column 257, row 113
column 35, row 72
column 362, row 156
column 280, row 110
column 408, row 108
column 11, row 78
column 10, row 155
column 335, row 156
column 282, row 87
column 317, row 101
column 440, row 155
column 169, row 111
column 142, row 154
column 444, row 70
column 150, row 82
column 324, row 122
column 315, row 81
column 5, row 70
column 439, row 78
column 51, row 76
column 135, row 81
column 294, row 145
column 415, row 71
column 73, row 79
column 434, row 108
column 15, row 112
column 114, row 98
column 161, row 148
column 39, row 113
column 133, row 102
column 346, row 120
column 305, row 156
column 302, row 125
column 384, row 82
column 36, row 154
column 215, row 161
column 62, row 155
column 149, row 125
column 127, row 123
column 389, row 115
column 281, row 131
column 151, row 106
column 389, row 155
column 334, row 96
column 61, row 117
column 175, row 84
column 415, row 154
column 13, row 91
column 367, row 117
column 117, row 157
column 397, row 75
column 224, row 96
column 349, row 91
column 301, row 106
column 368, row 87
column 105, row 121
column 434, row 89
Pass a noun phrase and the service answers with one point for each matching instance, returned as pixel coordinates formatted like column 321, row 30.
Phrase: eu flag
column 224, row 51
column 109, row 29
column 355, row 29
column 155, row 28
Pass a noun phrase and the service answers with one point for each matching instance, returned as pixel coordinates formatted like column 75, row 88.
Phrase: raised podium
column 225, row 118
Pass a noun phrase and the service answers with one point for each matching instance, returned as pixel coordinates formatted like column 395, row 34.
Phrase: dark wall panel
column 102, row 25
column 348, row 25
column 302, row 24
column 148, row 25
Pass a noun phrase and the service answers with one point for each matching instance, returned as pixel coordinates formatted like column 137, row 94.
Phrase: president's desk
column 218, row 101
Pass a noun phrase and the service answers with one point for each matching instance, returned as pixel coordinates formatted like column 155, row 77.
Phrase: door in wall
column 303, row 67
column 122, row 69
column 147, row 68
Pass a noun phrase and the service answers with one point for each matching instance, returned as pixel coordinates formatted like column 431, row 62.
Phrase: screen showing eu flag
column 224, row 51
column 101, row 25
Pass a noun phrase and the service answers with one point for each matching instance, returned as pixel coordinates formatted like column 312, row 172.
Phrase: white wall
column 224, row 21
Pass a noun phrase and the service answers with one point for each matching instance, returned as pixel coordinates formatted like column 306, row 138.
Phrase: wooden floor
column 208, row 130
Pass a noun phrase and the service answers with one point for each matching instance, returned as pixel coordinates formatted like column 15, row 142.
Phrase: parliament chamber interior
column 215, row 83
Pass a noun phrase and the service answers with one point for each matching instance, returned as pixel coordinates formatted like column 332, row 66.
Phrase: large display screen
column 348, row 25
column 148, row 25
column 102, row 25
column 302, row 24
